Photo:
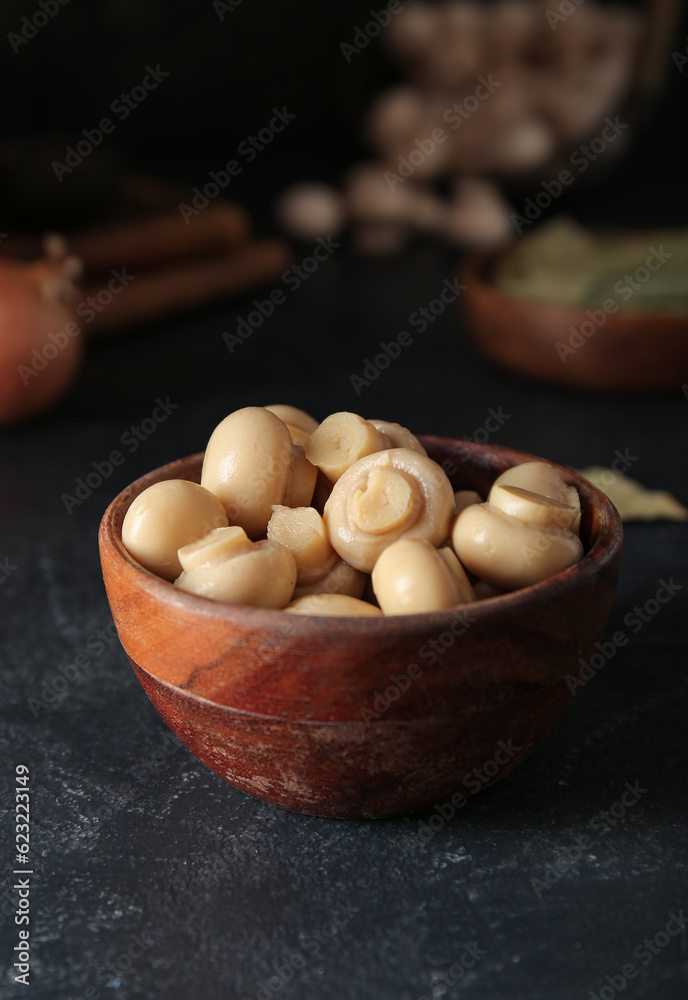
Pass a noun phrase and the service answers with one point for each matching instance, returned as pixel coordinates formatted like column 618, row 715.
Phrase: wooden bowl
column 372, row 716
column 617, row 352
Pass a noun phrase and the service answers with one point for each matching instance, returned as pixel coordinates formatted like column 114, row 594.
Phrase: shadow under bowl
column 365, row 717
column 616, row 352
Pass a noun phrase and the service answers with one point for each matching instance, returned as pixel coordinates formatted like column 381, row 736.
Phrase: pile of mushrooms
column 347, row 517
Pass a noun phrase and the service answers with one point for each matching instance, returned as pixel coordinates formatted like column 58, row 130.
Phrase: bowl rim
column 475, row 273
column 604, row 548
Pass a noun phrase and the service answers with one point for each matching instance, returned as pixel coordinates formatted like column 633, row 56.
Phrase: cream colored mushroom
column 384, row 496
column 301, row 479
column 222, row 543
column 298, row 436
column 247, row 464
column 536, row 493
column 227, row 566
column 412, row 576
column 337, row 605
column 508, row 553
column 464, row 498
column 166, row 516
column 396, row 436
column 341, row 579
column 293, row 416
column 339, row 441
column 302, row 531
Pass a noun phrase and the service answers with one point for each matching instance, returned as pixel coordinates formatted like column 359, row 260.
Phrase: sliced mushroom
column 302, row 531
column 339, row 441
column 396, row 436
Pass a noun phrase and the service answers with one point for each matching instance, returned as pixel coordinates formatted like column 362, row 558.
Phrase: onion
column 39, row 349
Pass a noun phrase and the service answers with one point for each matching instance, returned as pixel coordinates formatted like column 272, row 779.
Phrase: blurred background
column 119, row 112
column 229, row 65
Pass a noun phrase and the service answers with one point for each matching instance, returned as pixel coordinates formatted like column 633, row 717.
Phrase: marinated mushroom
column 337, row 605
column 165, row 517
column 301, row 479
column 297, row 435
column 222, row 543
column 396, row 436
column 247, row 464
column 387, row 509
column 341, row 579
column 507, row 552
column 535, row 492
column 464, row 498
column 302, row 531
column 384, row 496
column 412, row 576
column 227, row 566
column 339, row 441
column 293, row 416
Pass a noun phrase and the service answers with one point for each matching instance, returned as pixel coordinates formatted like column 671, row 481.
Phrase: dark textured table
column 151, row 877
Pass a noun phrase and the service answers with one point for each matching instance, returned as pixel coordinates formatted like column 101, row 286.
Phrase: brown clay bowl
column 627, row 352
column 330, row 716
